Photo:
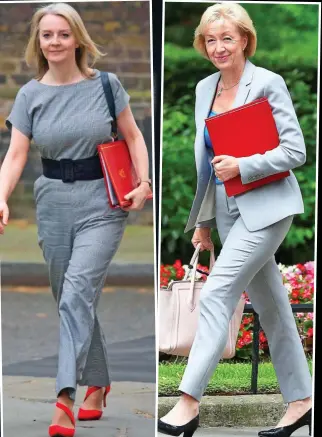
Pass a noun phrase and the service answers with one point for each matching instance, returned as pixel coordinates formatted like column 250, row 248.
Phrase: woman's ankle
column 64, row 398
column 300, row 403
column 190, row 402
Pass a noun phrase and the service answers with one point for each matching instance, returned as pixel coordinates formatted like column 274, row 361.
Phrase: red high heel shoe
column 62, row 431
column 93, row 414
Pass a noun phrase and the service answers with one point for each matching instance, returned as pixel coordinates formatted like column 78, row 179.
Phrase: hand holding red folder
column 245, row 131
column 226, row 167
column 137, row 197
column 119, row 173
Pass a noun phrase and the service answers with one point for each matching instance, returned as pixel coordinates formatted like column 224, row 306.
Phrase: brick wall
column 122, row 30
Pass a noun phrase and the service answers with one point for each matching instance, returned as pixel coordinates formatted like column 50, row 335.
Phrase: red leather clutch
column 119, row 174
column 245, row 131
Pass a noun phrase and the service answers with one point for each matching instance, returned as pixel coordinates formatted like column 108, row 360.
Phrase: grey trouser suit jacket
column 272, row 202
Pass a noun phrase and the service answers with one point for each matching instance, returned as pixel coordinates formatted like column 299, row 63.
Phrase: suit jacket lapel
column 205, row 100
column 241, row 96
column 209, row 95
column 244, row 85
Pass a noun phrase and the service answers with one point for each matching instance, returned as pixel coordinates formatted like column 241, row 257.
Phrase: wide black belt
column 69, row 170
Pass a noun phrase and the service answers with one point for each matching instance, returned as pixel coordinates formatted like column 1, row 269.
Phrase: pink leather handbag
column 178, row 307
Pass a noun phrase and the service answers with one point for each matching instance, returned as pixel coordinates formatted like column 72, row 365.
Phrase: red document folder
column 245, row 131
column 119, row 174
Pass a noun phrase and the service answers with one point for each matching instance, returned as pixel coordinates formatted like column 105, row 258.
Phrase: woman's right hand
column 202, row 236
column 4, row 215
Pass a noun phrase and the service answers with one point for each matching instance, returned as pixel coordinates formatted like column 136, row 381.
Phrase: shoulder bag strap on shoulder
column 110, row 101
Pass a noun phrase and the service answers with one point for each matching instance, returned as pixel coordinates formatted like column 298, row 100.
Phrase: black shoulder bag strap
column 110, row 101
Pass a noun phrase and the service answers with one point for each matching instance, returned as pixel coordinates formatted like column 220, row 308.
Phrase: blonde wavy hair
column 87, row 48
column 237, row 15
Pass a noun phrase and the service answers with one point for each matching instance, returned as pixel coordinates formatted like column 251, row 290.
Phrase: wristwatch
column 148, row 181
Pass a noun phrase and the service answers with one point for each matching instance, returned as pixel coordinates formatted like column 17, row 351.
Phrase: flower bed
column 299, row 282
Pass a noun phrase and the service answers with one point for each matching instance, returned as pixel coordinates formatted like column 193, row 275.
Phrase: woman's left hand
column 226, row 167
column 138, row 197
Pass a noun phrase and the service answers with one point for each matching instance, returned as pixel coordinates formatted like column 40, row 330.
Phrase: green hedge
column 292, row 28
column 183, row 68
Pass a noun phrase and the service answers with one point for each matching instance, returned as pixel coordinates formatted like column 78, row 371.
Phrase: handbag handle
column 193, row 265
column 110, row 102
column 194, row 261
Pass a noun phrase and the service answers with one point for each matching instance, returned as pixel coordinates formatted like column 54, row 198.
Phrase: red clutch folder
column 244, row 131
column 119, row 174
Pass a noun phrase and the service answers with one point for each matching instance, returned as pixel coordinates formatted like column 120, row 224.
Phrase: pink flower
column 289, row 276
column 309, row 267
column 307, row 294
column 309, row 277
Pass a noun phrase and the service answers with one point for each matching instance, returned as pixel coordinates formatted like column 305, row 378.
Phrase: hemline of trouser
column 88, row 382
column 196, row 394
column 297, row 396
column 70, row 389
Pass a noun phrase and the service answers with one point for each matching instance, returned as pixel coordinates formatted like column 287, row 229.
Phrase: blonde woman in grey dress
column 64, row 110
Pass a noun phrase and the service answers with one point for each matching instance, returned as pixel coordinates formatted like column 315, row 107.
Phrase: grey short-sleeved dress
column 77, row 230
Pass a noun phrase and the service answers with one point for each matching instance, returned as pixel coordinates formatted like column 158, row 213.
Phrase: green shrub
column 289, row 27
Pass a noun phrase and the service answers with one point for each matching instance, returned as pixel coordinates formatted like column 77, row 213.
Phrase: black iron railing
column 296, row 308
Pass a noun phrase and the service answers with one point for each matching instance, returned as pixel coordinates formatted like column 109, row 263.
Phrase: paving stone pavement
column 28, row 406
column 29, row 351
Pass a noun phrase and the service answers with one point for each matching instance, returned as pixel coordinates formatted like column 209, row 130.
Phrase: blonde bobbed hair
column 87, row 48
column 237, row 15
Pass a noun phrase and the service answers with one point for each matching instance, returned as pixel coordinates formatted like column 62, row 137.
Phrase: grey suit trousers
column 79, row 234
column 246, row 262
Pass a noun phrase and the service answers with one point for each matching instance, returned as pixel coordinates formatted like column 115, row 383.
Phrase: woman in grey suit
column 64, row 110
column 251, row 226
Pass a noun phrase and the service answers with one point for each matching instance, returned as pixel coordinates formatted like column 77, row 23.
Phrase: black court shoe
column 287, row 431
column 188, row 429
